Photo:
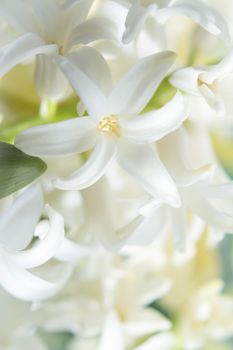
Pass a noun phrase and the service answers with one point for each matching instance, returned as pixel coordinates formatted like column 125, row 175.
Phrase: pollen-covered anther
column 110, row 125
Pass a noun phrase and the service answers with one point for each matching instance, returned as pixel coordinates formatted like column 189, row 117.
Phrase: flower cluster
column 113, row 195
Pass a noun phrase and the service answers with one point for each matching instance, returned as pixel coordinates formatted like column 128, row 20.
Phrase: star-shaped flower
column 47, row 28
column 115, row 127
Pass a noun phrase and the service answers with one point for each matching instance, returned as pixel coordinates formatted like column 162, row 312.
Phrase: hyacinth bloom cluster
column 115, row 202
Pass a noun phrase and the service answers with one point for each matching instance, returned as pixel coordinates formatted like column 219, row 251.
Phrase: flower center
column 110, row 125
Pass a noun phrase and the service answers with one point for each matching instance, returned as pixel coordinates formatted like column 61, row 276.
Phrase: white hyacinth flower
column 213, row 83
column 45, row 29
column 115, row 126
column 162, row 10
column 17, row 228
column 202, row 198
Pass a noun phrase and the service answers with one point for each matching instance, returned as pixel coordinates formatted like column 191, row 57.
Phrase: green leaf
column 17, row 169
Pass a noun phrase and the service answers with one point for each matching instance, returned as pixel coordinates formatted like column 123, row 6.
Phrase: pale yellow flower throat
column 110, row 125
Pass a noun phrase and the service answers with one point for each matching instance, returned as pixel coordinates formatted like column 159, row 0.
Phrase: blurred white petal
column 151, row 173
column 17, row 223
column 26, row 286
column 91, row 30
column 45, row 249
column 49, row 79
column 24, row 47
column 112, row 337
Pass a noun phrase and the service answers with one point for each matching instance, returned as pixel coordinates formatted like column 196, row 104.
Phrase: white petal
column 26, row 286
column 135, row 89
column 219, row 70
column 135, row 20
column 112, row 337
column 94, row 66
column 143, row 163
column 146, row 322
column 219, row 190
column 150, row 228
column 44, row 10
column 206, row 211
column 204, row 15
column 177, row 156
column 163, row 341
column 212, row 98
column 91, row 30
column 103, row 227
column 24, row 47
column 115, row 239
column 49, row 79
column 90, row 93
column 17, row 223
column 77, row 10
column 72, row 252
column 186, row 79
column 93, row 169
column 58, row 139
column 152, row 126
column 46, row 248
column 179, row 227
column 19, row 15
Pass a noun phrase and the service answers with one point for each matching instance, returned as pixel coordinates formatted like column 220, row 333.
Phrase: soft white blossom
column 17, row 229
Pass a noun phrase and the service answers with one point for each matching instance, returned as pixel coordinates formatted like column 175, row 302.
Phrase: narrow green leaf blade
column 17, row 169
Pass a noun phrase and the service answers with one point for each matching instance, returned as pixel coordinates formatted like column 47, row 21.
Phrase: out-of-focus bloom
column 17, row 229
column 45, row 29
column 208, row 316
column 140, row 10
column 213, row 83
column 108, row 299
column 114, row 128
column 17, row 331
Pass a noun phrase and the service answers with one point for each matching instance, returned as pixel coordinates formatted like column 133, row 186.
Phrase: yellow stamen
column 110, row 125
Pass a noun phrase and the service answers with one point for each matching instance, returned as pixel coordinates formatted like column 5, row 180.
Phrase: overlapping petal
column 203, row 14
column 91, row 30
column 186, row 79
column 151, row 173
column 207, row 211
column 24, row 47
column 135, row 20
column 95, row 100
column 94, row 66
column 49, row 79
column 25, row 285
column 18, row 222
column 45, row 249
